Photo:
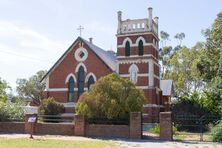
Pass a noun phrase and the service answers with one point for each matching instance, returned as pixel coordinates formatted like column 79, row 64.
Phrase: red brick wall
column 58, row 76
column 124, row 68
column 12, row 127
column 54, row 128
column 102, row 130
column 134, row 51
column 148, row 38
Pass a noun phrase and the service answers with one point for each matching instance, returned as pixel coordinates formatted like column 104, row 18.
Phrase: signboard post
column 32, row 121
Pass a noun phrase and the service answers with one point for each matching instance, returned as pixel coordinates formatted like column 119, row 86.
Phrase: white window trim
column 88, row 75
column 80, row 64
column 68, row 77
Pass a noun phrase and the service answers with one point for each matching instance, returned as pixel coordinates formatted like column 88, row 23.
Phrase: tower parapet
column 138, row 25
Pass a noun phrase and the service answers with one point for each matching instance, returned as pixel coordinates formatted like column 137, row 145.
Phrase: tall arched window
column 80, row 80
column 71, row 85
column 127, row 48
column 140, row 47
column 90, row 81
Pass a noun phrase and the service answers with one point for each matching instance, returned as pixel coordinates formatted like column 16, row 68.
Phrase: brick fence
column 133, row 131
column 12, row 127
column 79, row 128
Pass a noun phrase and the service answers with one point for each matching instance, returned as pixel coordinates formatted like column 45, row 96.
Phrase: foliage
column 3, row 87
column 11, row 112
column 164, row 37
column 210, row 65
column 180, row 37
column 183, row 70
column 156, row 129
column 111, row 97
column 31, row 88
column 217, row 132
column 202, row 103
column 50, row 107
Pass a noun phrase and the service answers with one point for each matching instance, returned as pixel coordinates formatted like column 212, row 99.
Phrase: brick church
column 137, row 59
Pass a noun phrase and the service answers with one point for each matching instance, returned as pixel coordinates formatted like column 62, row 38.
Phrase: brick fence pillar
column 79, row 125
column 135, row 125
column 166, row 132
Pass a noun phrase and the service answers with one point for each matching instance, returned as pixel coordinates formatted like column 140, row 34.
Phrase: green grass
column 47, row 143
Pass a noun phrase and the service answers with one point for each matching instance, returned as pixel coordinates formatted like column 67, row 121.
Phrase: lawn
column 47, row 143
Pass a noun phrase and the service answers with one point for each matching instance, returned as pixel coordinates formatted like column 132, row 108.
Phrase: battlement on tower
column 129, row 26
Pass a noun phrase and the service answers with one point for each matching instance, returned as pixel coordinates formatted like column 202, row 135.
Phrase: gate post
column 135, row 125
column 166, row 131
column 79, row 128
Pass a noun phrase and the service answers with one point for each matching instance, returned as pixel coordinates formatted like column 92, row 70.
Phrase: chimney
column 119, row 14
column 91, row 40
column 150, row 21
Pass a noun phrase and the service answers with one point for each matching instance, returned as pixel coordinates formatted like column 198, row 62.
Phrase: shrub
column 156, row 129
column 50, row 107
column 217, row 132
column 11, row 112
column 112, row 98
column 190, row 108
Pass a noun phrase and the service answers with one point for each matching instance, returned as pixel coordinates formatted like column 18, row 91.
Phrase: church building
column 137, row 59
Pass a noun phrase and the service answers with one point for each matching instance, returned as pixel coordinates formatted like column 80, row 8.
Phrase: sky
column 34, row 34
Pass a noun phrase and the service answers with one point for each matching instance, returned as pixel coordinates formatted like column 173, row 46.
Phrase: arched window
column 140, row 47
column 80, row 80
column 133, row 70
column 127, row 48
column 71, row 85
column 90, row 81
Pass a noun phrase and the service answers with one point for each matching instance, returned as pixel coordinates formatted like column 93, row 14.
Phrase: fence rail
column 56, row 118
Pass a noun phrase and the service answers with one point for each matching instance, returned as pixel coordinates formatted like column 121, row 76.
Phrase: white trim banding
column 152, row 105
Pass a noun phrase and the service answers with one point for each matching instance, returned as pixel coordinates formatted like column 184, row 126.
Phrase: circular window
column 81, row 54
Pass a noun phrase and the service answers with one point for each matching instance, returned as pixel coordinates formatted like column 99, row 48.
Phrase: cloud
column 24, row 51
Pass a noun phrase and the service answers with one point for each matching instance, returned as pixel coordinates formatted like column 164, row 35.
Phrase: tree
column 111, row 97
column 32, row 88
column 3, row 88
column 164, row 37
column 210, row 65
column 180, row 37
column 183, row 69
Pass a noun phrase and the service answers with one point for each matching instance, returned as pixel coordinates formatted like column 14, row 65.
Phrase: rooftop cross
column 80, row 30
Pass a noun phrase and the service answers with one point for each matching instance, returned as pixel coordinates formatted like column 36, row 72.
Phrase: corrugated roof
column 108, row 58
column 167, row 87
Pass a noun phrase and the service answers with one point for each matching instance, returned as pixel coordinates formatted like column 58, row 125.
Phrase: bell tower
column 138, row 58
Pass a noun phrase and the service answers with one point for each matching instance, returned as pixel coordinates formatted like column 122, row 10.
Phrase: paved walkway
column 126, row 143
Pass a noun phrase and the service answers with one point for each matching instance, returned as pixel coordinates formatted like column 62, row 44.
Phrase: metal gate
column 196, row 128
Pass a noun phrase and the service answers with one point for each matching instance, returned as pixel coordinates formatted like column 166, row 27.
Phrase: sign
column 32, row 119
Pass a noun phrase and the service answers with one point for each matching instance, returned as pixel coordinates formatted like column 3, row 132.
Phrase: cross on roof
column 80, row 30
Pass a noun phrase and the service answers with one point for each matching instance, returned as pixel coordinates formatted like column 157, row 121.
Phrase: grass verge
column 48, row 143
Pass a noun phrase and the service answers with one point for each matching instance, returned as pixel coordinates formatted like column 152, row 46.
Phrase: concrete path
column 126, row 143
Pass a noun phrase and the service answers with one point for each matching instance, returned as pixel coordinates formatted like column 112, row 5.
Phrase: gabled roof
column 167, row 87
column 107, row 58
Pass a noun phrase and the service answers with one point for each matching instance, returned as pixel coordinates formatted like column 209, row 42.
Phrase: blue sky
column 34, row 34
